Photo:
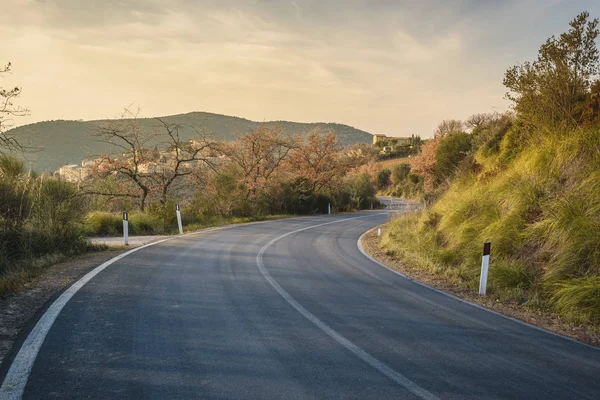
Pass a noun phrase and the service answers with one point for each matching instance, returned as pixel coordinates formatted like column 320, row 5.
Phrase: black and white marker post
column 125, row 228
column 178, row 209
column 329, row 208
column 485, row 265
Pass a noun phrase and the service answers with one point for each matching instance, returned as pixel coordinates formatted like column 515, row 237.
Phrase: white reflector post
column 178, row 209
column 329, row 209
column 378, row 231
column 125, row 228
column 485, row 265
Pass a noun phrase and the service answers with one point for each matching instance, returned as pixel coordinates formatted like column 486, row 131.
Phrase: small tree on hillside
column 549, row 92
column 451, row 151
column 448, row 127
column 383, row 178
column 478, row 120
column 424, row 164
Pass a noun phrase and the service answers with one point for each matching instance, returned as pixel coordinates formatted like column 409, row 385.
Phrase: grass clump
column 578, row 299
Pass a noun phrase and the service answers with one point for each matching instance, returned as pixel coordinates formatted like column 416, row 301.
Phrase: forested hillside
column 527, row 181
column 68, row 142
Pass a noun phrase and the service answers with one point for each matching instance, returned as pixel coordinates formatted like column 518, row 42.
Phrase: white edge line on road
column 363, row 251
column 363, row 355
column 16, row 378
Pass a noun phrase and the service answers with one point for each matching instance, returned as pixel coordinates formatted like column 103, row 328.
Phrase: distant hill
column 68, row 142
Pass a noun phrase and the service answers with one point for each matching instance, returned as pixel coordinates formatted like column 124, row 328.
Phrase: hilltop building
column 402, row 141
column 73, row 173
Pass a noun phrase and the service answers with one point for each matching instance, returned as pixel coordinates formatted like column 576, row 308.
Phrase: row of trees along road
column 265, row 171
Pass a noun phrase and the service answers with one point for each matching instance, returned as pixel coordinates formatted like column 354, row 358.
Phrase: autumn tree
column 424, row 163
column 319, row 163
column 549, row 92
column 591, row 110
column 259, row 156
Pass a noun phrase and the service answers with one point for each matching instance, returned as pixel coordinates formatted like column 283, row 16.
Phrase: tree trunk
column 143, row 199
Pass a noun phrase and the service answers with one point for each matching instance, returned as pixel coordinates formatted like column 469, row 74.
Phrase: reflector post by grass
column 125, row 228
column 485, row 265
column 178, row 210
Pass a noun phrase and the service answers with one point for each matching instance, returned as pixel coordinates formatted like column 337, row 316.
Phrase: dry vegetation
column 527, row 181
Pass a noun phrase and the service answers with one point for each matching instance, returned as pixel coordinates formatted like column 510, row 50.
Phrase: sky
column 392, row 67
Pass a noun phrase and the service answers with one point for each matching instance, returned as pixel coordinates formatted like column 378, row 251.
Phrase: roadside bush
column 99, row 223
column 452, row 150
column 147, row 224
column 383, row 178
column 59, row 209
column 400, row 173
column 38, row 217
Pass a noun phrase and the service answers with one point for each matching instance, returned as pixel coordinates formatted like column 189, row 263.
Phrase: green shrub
column 383, row 178
column 147, row 224
column 452, row 150
column 100, row 223
column 400, row 173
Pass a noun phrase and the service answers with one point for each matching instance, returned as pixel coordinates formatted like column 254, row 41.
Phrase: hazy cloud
column 385, row 66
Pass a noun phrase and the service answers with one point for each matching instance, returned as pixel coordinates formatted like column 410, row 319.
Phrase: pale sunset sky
column 393, row 67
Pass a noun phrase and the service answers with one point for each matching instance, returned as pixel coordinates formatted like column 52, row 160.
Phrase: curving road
column 288, row 309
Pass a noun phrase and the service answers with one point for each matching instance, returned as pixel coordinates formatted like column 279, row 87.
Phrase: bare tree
column 477, row 120
column 447, row 127
column 185, row 157
column 139, row 161
column 8, row 109
column 132, row 143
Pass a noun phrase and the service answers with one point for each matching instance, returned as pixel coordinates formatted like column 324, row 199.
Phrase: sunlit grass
column 539, row 205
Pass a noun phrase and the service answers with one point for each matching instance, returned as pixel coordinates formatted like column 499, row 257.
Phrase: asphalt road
column 291, row 309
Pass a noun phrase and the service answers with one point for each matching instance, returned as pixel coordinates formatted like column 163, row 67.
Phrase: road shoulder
column 535, row 317
column 20, row 310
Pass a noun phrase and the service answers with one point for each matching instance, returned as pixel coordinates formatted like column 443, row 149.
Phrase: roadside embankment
column 414, row 269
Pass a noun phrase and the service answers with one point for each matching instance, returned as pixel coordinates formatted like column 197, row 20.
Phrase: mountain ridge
column 70, row 141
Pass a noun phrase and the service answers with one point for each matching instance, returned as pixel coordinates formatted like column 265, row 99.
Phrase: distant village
column 160, row 162
column 78, row 172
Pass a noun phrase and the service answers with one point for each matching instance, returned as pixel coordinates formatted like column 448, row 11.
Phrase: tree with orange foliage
column 319, row 163
column 591, row 109
column 259, row 156
column 424, row 163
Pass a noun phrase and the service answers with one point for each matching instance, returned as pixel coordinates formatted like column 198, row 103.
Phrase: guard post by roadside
column 485, row 265
column 178, row 210
column 125, row 228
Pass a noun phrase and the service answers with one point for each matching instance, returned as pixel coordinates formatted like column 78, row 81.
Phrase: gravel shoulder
column 537, row 317
column 20, row 310
column 117, row 241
